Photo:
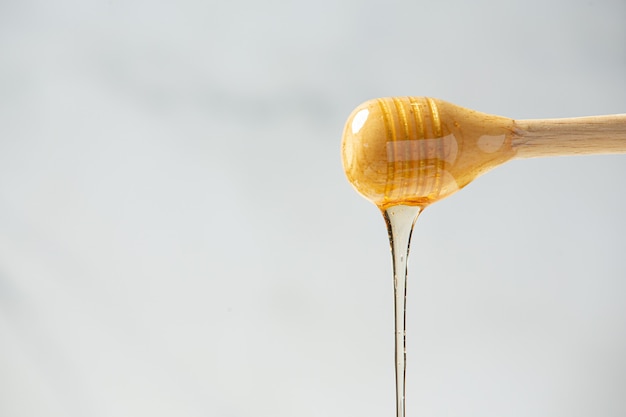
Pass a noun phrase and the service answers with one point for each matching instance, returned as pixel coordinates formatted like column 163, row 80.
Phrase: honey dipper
column 418, row 150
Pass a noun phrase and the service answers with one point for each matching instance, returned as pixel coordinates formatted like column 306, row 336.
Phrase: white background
column 177, row 237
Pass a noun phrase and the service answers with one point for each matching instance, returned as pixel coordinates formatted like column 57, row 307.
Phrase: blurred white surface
column 177, row 236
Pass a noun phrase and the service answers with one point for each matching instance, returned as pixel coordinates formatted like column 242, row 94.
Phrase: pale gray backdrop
column 177, row 237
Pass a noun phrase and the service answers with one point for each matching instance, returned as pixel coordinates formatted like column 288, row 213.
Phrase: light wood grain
column 575, row 136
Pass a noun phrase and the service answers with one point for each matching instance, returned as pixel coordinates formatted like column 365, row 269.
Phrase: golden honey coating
column 418, row 150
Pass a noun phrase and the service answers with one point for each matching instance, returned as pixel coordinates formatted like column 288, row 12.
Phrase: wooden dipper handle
column 575, row 136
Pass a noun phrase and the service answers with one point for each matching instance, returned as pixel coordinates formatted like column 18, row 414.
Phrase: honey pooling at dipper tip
column 418, row 150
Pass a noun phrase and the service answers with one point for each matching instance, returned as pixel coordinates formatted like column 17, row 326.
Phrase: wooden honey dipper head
column 418, row 150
